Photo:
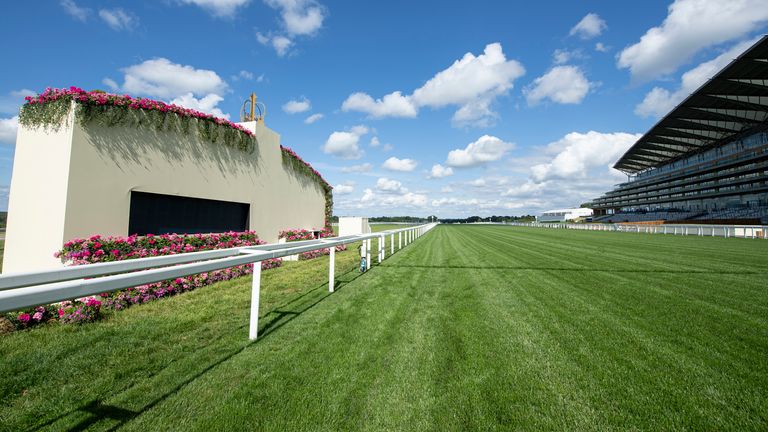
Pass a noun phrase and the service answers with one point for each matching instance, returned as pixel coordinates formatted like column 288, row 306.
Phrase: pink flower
column 24, row 317
column 92, row 302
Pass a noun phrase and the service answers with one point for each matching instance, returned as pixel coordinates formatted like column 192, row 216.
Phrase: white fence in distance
column 727, row 231
column 22, row 290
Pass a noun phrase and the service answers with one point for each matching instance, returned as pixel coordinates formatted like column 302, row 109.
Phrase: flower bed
column 69, row 312
column 97, row 249
column 292, row 235
column 106, row 249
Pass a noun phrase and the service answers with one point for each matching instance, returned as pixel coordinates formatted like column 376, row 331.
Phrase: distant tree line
column 475, row 219
column 392, row 219
column 471, row 219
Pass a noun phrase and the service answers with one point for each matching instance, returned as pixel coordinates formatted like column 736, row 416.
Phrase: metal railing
column 703, row 230
column 22, row 290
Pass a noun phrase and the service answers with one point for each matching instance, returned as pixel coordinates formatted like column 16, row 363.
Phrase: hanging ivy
column 50, row 109
column 293, row 162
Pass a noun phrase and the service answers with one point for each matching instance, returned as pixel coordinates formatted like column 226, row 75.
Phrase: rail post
column 368, row 254
column 392, row 244
column 331, row 268
column 399, row 240
column 253, row 328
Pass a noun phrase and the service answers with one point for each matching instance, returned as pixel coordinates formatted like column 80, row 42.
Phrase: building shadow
column 578, row 269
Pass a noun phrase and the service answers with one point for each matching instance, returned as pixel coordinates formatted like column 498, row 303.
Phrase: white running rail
column 727, row 231
column 22, row 290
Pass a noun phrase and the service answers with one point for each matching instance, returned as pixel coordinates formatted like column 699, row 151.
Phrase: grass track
column 471, row 327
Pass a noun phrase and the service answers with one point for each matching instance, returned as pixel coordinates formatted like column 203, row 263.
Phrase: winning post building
column 94, row 163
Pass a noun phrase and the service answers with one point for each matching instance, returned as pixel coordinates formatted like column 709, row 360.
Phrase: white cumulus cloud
column 206, row 104
column 162, row 78
column 562, row 56
column 118, row 19
column 395, row 164
column 391, row 105
column 387, row 200
column 345, row 144
column 281, row 44
column 439, row 171
column 470, row 77
column 8, row 127
column 580, row 152
column 297, row 106
column 313, row 118
column 472, row 83
column 345, row 188
column 219, row 8
column 690, row 26
column 365, row 167
column 562, row 84
column 75, row 11
column 527, row 189
column 184, row 85
column 244, row 74
column 659, row 101
column 486, row 149
column 590, row 26
column 300, row 17
column 384, row 184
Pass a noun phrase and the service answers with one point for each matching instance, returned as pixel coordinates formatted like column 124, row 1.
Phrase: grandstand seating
column 709, row 152
column 672, row 215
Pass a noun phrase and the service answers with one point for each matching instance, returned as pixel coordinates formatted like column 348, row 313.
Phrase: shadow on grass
column 577, row 269
column 97, row 410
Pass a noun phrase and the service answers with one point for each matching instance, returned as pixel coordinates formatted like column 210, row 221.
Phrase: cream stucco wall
column 78, row 182
column 38, row 197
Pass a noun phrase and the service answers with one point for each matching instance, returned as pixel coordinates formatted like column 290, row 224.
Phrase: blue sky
column 447, row 108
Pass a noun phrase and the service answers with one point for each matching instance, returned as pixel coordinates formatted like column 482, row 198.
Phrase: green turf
column 471, row 327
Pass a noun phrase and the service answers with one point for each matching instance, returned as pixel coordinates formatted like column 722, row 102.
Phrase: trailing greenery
column 50, row 109
column 293, row 162
column 49, row 116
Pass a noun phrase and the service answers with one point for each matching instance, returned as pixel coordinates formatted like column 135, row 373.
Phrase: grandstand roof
column 734, row 100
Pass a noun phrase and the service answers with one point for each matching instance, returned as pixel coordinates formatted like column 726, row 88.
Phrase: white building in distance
column 564, row 215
